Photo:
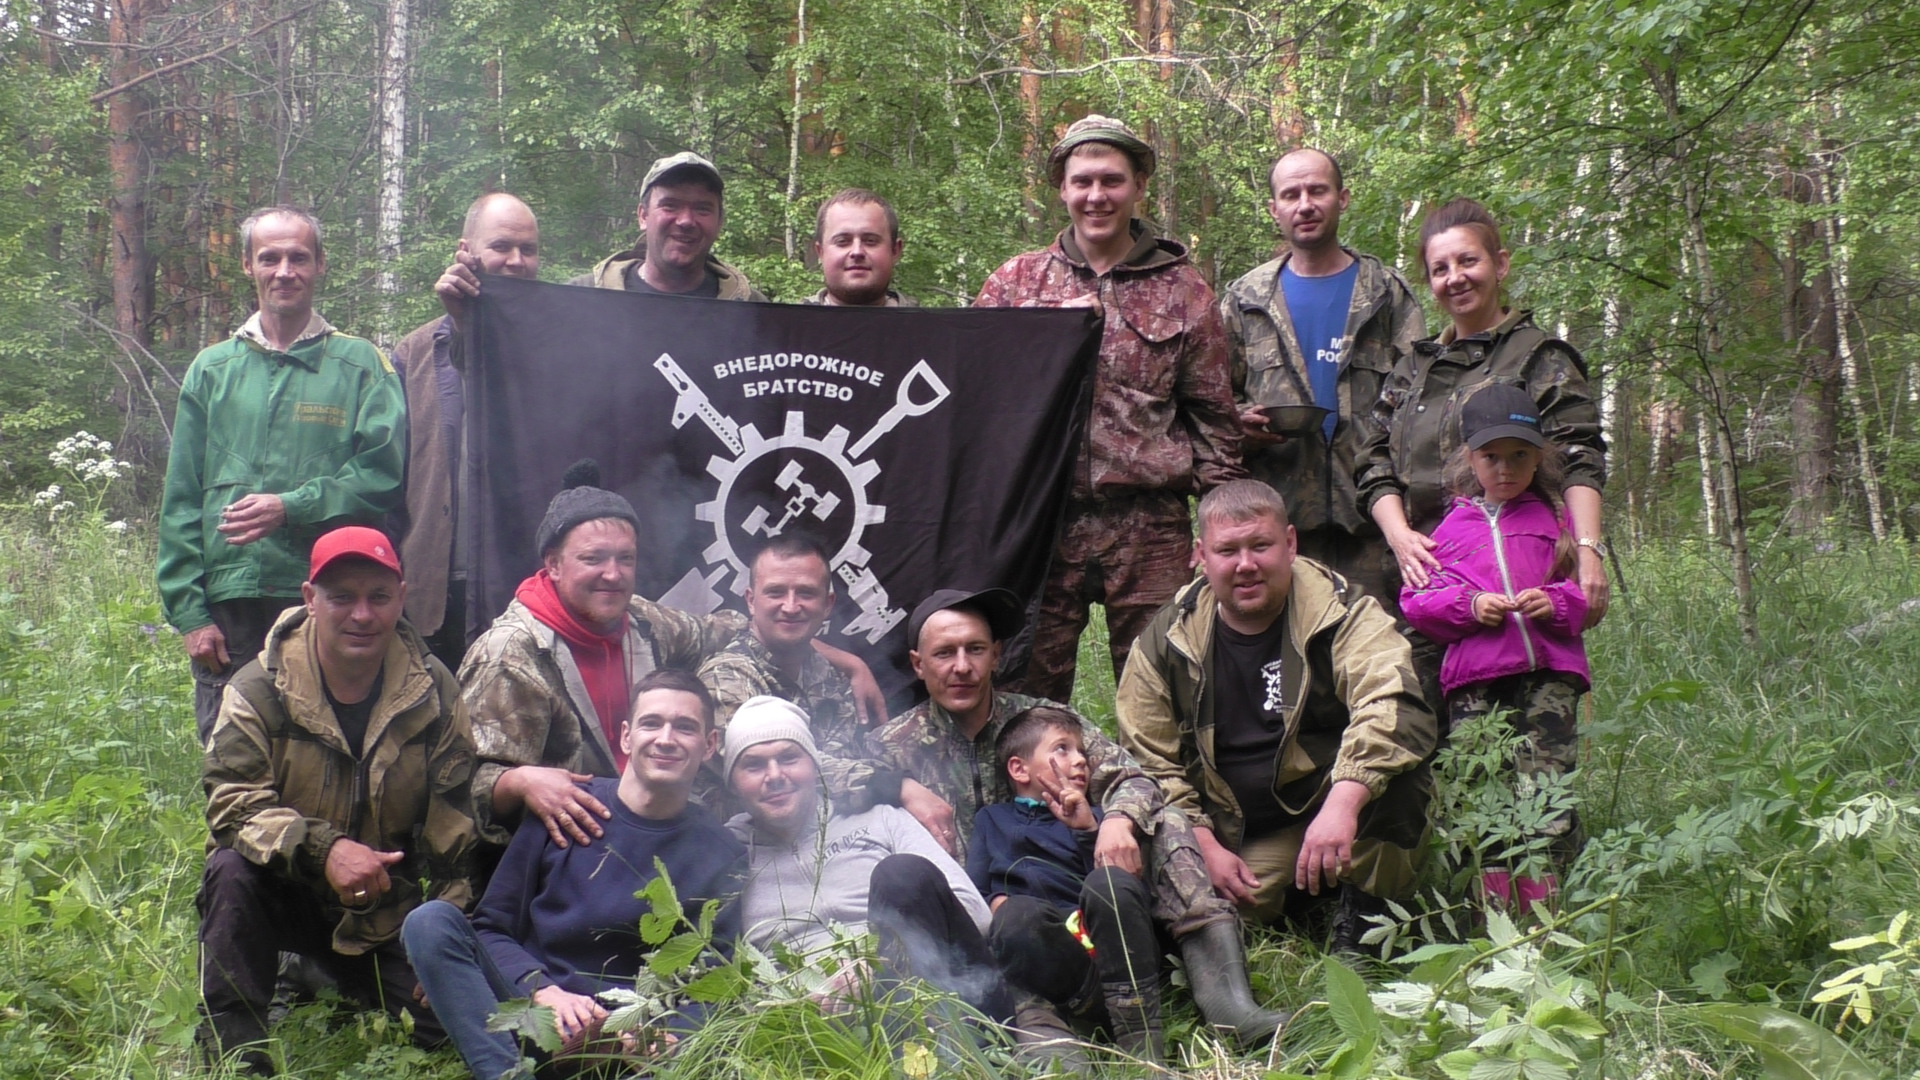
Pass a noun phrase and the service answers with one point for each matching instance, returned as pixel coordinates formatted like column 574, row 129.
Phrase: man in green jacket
column 1322, row 325
column 337, row 799
column 284, row 431
column 1278, row 708
column 682, row 209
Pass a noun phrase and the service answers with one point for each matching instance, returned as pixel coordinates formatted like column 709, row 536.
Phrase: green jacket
column 616, row 271
column 1383, row 322
column 1353, row 708
column 323, row 425
column 282, row 784
column 1417, row 419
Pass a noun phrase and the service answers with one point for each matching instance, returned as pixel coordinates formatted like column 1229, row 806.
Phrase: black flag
column 925, row 448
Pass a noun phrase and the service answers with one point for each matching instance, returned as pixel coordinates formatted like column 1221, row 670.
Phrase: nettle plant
column 90, row 467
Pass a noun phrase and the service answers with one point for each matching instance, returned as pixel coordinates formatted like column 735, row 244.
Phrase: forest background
column 1715, row 201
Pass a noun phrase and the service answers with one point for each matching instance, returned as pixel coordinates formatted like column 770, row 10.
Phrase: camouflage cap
column 1094, row 128
column 685, row 159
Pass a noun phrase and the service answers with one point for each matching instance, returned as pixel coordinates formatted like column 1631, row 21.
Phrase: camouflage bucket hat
column 1094, row 128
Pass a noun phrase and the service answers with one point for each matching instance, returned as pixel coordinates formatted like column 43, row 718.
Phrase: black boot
column 238, row 1037
column 1350, row 922
column 1217, row 974
column 1133, row 1016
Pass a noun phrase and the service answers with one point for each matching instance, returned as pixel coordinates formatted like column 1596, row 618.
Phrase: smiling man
column 682, row 209
column 500, row 238
column 283, row 431
column 856, row 238
column 336, row 782
column 561, row 924
column 789, row 598
column 1163, row 424
column 1278, row 708
column 1322, row 325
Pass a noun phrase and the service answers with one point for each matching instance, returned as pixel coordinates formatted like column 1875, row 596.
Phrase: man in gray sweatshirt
column 814, row 876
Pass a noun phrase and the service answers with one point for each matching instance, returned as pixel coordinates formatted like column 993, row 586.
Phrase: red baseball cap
column 352, row 542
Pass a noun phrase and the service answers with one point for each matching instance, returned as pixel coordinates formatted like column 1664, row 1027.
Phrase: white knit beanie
column 766, row 719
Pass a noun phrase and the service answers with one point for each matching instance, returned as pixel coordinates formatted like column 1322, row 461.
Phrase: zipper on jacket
column 1506, row 579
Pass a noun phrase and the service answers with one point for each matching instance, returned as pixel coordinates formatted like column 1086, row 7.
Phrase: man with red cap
column 337, row 784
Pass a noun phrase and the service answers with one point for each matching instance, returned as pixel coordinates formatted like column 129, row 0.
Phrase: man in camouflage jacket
column 325, row 817
column 947, row 744
column 1382, row 320
column 1163, row 425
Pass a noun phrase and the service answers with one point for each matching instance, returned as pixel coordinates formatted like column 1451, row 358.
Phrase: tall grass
column 1716, row 781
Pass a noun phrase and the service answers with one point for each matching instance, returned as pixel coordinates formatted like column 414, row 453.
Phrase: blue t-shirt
column 1318, row 308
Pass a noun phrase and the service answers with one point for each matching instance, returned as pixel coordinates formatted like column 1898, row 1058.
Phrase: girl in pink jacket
column 1506, row 604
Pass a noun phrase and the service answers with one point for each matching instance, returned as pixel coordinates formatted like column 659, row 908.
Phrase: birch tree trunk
column 393, row 147
column 793, row 128
column 1832, row 234
column 127, row 164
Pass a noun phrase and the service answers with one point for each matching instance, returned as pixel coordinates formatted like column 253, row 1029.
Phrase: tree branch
column 166, row 69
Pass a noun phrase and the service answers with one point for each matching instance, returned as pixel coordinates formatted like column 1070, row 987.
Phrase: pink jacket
column 1504, row 549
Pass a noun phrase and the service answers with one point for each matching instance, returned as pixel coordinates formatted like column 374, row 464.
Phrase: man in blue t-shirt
column 560, row 923
column 1320, row 325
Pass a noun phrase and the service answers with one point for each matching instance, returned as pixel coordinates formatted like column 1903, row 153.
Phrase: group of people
column 1370, row 499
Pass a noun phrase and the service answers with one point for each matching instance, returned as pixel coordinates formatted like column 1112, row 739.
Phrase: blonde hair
column 1549, row 479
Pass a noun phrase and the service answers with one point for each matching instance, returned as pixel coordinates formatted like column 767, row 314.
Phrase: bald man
column 500, row 237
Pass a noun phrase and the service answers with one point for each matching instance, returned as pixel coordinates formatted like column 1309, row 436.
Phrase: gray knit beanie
column 581, row 500
column 765, row 719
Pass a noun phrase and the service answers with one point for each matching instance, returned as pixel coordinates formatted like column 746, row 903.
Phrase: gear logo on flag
column 823, row 489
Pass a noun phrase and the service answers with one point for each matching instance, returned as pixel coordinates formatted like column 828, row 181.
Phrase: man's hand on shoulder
column 253, row 517
column 930, row 810
column 1327, row 852
column 556, row 798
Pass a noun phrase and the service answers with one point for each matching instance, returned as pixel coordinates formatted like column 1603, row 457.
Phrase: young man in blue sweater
column 1077, row 934
column 561, row 924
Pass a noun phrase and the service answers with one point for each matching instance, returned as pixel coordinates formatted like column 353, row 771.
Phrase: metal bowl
column 1296, row 420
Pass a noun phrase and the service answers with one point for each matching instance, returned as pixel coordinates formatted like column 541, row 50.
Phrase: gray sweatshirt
column 796, row 893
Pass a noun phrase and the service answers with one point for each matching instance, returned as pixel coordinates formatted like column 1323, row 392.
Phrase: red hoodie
column 600, row 657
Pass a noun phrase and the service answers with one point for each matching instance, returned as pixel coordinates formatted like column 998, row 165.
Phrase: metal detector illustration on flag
column 826, row 492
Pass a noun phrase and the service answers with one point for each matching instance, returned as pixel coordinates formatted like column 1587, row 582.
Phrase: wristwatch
column 1599, row 546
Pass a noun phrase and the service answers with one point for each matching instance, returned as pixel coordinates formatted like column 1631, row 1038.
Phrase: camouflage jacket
column 746, row 669
column 529, row 705
column 1353, row 706
column 1417, row 419
column 1163, row 416
column 925, row 744
column 1383, row 322
column 282, row 784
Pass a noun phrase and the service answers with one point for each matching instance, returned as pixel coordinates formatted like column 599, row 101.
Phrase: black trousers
column 244, row 623
column 248, row 916
column 1040, row 955
column 924, row 932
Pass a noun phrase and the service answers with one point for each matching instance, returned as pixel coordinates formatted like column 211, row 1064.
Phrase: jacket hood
column 290, row 657
column 1149, row 251
column 1313, row 604
column 611, row 272
column 1259, row 288
column 1514, row 320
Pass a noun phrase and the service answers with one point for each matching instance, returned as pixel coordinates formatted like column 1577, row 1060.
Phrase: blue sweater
column 568, row 916
column 1023, row 850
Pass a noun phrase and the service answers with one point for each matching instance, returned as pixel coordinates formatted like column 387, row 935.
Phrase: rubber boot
column 1542, row 889
column 1496, row 889
column 1217, row 974
column 1043, row 1040
column 1133, row 1016
column 1350, row 921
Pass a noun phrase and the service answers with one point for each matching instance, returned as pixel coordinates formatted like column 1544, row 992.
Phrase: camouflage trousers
column 1128, row 553
column 1545, row 707
column 1183, row 896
